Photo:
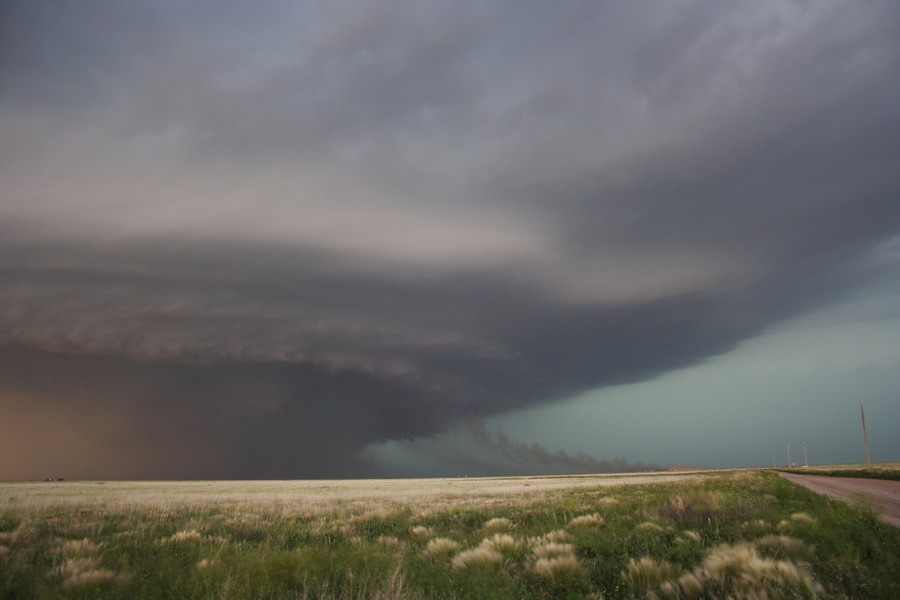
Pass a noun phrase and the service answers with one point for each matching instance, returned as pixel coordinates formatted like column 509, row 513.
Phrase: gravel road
column 881, row 495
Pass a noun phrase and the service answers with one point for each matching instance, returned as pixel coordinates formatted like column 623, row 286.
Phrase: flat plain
column 705, row 534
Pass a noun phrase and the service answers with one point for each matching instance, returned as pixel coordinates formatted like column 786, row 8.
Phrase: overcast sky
column 376, row 238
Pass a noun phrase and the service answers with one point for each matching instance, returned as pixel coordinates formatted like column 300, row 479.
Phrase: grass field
column 889, row 470
column 742, row 534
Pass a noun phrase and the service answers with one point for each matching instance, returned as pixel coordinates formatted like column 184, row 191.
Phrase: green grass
column 889, row 472
column 726, row 535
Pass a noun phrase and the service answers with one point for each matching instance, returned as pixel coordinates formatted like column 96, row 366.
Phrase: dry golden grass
column 303, row 498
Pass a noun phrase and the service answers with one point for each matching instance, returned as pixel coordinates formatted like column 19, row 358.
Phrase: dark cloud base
column 252, row 243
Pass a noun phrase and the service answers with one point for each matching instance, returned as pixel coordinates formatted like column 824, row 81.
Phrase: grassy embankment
column 890, row 471
column 736, row 534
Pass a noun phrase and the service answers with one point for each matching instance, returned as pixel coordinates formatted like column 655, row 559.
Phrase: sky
column 397, row 238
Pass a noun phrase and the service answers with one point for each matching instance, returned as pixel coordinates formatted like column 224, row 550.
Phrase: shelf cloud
column 241, row 241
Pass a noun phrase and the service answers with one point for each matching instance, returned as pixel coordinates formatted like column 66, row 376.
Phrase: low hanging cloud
column 471, row 449
column 261, row 241
column 536, row 458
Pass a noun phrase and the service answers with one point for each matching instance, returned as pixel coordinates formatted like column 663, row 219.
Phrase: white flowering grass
column 77, row 572
column 592, row 520
column 558, row 535
column 388, row 540
column 554, row 559
column 476, row 557
column 552, row 549
column 190, row 536
column 292, row 545
column 781, row 543
column 205, row 563
column 650, row 526
column 688, row 538
column 502, row 542
column 743, row 563
column 647, row 573
column 184, row 536
column 557, row 567
column 420, row 531
column 498, row 523
column 803, row 518
column 441, row 547
column 727, row 571
column 79, row 547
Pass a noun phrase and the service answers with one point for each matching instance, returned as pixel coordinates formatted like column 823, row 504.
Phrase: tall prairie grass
column 737, row 535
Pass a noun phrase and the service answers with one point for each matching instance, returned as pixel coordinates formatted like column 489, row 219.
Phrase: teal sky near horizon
column 800, row 383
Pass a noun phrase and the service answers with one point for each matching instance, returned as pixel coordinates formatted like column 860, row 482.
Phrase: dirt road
column 881, row 495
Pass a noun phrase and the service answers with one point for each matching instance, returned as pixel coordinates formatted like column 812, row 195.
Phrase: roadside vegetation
column 890, row 471
column 748, row 534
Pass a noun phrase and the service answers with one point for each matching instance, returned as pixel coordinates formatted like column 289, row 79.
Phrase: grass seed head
column 498, row 523
column 593, row 520
column 388, row 540
column 646, row 574
column 84, row 578
column 557, row 567
column 559, row 536
column 802, row 517
column 80, row 547
column 501, row 542
column 780, row 542
column 650, row 526
column 191, row 535
column 441, row 547
column 687, row 538
column 420, row 531
column 553, row 549
column 476, row 557
column 77, row 572
column 741, row 565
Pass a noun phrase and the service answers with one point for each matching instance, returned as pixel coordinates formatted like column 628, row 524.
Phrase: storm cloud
column 243, row 241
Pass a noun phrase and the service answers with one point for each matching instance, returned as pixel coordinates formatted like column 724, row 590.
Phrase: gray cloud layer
column 280, row 234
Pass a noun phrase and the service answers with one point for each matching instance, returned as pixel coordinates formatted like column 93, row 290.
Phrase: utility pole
column 773, row 461
column 789, row 455
column 862, row 413
column 805, row 459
